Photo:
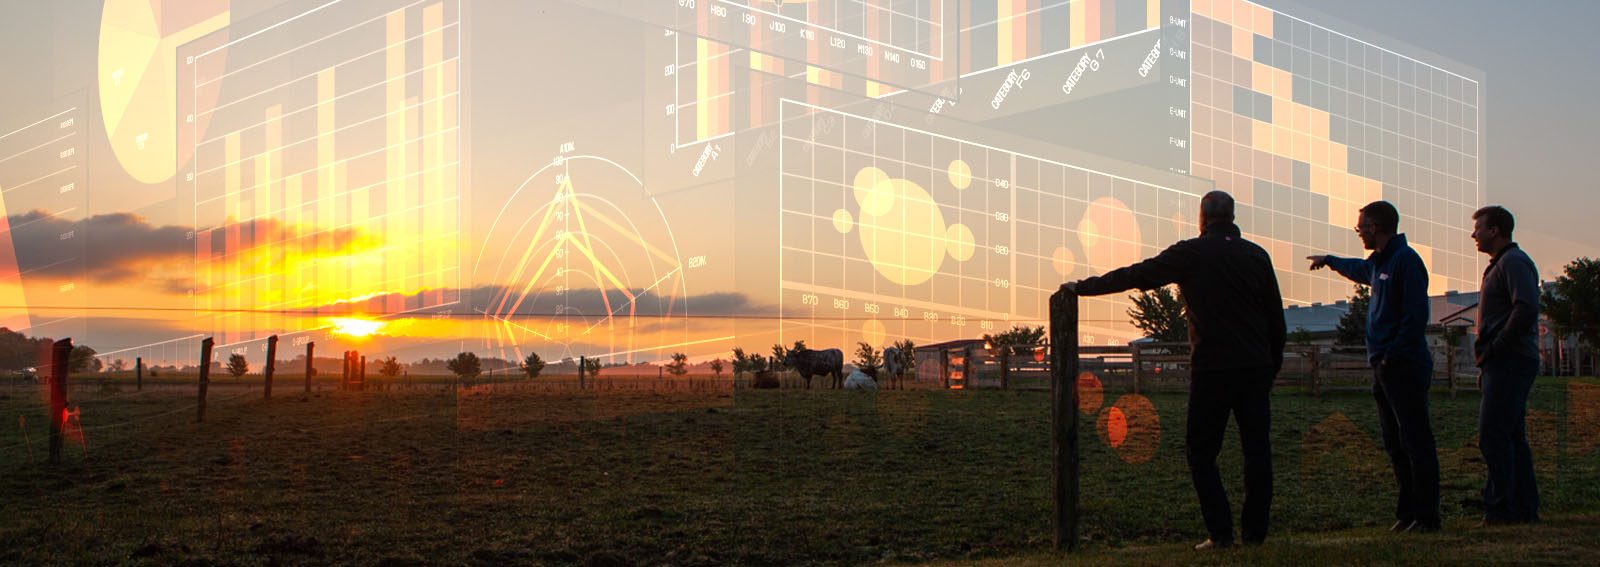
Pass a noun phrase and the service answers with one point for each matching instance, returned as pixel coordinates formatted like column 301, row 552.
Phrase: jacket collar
column 1221, row 228
column 1498, row 256
column 1395, row 244
column 1502, row 253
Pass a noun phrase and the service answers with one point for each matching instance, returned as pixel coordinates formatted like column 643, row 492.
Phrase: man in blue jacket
column 1398, row 352
column 1507, row 352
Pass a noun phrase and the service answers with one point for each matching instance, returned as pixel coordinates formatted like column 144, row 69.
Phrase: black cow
column 813, row 362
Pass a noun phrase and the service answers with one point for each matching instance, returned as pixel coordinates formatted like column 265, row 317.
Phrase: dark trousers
column 1512, row 493
column 1212, row 395
column 1401, row 389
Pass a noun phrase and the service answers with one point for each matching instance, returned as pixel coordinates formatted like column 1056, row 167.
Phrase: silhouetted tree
column 1452, row 335
column 237, row 366
column 1353, row 324
column 1573, row 304
column 1019, row 335
column 82, row 360
column 716, row 366
column 742, row 362
column 868, row 359
column 1159, row 313
column 679, row 365
column 592, row 366
column 532, row 365
column 18, row 351
column 778, row 354
column 465, row 365
column 389, row 368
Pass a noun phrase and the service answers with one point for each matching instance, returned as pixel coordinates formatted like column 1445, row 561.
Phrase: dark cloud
column 124, row 248
column 111, row 248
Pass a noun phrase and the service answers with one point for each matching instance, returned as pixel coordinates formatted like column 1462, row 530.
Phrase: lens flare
column 1090, row 393
column 1131, row 427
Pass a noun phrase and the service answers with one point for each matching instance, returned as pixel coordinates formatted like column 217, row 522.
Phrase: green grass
column 1569, row 539
column 501, row 474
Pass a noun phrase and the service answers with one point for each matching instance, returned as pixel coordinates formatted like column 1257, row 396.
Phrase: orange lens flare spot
column 1090, row 393
column 1131, row 427
column 1116, row 426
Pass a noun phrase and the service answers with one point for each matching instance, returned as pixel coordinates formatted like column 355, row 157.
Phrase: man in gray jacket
column 1507, row 353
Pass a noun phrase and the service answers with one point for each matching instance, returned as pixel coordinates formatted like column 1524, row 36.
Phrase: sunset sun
column 355, row 328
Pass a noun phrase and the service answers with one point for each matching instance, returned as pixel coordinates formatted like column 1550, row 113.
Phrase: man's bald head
column 1216, row 206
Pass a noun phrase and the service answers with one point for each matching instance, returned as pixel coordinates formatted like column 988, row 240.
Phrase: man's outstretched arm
column 1167, row 267
column 1358, row 270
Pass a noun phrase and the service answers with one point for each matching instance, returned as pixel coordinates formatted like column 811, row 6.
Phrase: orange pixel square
column 1263, row 18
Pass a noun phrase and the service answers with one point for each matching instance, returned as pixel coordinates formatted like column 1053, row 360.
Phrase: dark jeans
column 1401, row 390
column 1212, row 395
column 1512, row 493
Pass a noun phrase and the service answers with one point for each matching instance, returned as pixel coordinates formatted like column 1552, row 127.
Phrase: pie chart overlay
column 137, row 77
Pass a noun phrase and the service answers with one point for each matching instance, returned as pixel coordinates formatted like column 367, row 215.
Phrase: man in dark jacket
column 1398, row 350
column 1507, row 352
column 1236, row 337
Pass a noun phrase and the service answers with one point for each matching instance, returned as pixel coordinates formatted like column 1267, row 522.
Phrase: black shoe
column 1400, row 526
column 1212, row 544
column 1418, row 527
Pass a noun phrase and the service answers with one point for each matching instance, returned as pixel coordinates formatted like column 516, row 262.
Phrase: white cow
column 892, row 366
column 859, row 380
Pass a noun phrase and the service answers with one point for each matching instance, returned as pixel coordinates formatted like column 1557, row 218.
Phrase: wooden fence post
column 205, row 378
column 1138, row 368
column 60, row 358
column 1005, row 368
column 311, row 349
column 138, row 373
column 272, row 364
column 1316, row 371
column 581, row 360
column 361, row 375
column 969, row 379
column 1064, row 417
column 1450, row 368
column 944, row 367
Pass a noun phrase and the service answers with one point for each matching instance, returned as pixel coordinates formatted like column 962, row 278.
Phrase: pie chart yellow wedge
column 137, row 75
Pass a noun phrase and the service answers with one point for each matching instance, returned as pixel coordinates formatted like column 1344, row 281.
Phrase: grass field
column 512, row 474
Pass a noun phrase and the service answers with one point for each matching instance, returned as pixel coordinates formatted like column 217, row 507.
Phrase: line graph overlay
column 329, row 169
column 932, row 237
column 43, row 197
column 582, row 244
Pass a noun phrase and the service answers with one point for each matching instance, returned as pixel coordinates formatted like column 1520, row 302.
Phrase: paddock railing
column 1165, row 366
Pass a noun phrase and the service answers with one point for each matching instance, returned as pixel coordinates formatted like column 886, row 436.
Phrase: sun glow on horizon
column 355, row 328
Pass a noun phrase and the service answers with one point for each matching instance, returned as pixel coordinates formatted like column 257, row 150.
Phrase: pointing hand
column 1317, row 262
